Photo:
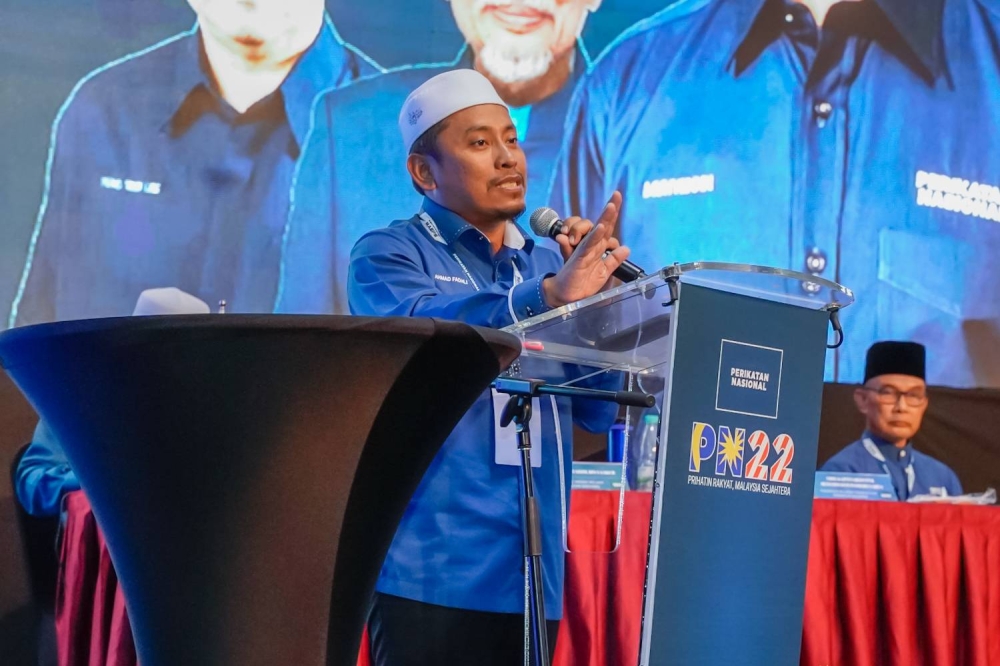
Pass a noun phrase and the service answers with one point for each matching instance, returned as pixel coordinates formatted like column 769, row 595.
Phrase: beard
column 511, row 213
column 510, row 62
column 519, row 213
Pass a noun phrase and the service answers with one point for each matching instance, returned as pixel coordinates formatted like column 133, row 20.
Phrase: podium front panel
column 734, row 357
column 734, row 494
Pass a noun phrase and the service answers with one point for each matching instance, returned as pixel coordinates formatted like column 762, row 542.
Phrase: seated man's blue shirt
column 156, row 181
column 459, row 543
column 912, row 472
column 43, row 474
column 865, row 151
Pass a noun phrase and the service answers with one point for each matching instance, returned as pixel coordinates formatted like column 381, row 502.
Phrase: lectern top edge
column 776, row 284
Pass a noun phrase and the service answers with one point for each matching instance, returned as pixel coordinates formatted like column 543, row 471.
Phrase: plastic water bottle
column 616, row 441
column 646, row 464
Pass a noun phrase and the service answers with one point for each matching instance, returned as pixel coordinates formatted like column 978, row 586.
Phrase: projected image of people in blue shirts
column 859, row 144
column 175, row 166
column 530, row 52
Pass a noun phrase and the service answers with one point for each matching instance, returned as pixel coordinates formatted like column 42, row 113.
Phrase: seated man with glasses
column 893, row 400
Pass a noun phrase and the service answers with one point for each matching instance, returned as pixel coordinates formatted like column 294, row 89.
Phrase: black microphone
column 545, row 222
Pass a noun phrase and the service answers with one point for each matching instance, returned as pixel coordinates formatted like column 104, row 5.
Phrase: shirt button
column 902, row 454
column 823, row 111
column 811, row 288
column 816, row 261
column 789, row 18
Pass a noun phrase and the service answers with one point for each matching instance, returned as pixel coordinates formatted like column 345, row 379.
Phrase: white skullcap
column 441, row 96
column 168, row 301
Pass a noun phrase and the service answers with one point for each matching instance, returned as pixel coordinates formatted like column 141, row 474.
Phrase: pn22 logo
column 727, row 447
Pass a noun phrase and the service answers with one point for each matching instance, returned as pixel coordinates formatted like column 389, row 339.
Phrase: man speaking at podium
column 451, row 590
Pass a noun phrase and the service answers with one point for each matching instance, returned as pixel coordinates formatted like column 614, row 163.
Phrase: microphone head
column 544, row 222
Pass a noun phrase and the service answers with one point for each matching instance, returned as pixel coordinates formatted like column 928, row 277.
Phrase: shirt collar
column 890, row 451
column 513, row 237
column 451, row 226
column 324, row 65
column 189, row 69
column 920, row 25
column 753, row 30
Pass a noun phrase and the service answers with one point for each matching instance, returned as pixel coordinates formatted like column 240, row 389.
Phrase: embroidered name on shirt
column 450, row 278
column 129, row 185
column 674, row 187
column 958, row 195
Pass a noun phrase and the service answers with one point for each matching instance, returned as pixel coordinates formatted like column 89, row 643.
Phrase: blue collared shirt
column 367, row 179
column 154, row 180
column 929, row 475
column 459, row 543
column 43, row 475
column 867, row 152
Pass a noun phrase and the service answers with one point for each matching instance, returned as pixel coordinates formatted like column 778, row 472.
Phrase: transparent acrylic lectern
column 721, row 491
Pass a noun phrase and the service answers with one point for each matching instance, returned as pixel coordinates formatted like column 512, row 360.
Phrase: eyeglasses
column 888, row 395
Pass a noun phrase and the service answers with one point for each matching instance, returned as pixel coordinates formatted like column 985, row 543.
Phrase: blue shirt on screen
column 154, row 180
column 43, row 475
column 459, row 543
column 367, row 180
column 866, row 151
column 912, row 472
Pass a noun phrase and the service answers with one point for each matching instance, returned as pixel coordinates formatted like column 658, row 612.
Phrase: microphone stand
column 518, row 410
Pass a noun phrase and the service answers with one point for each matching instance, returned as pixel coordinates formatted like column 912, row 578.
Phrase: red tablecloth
column 91, row 624
column 888, row 584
